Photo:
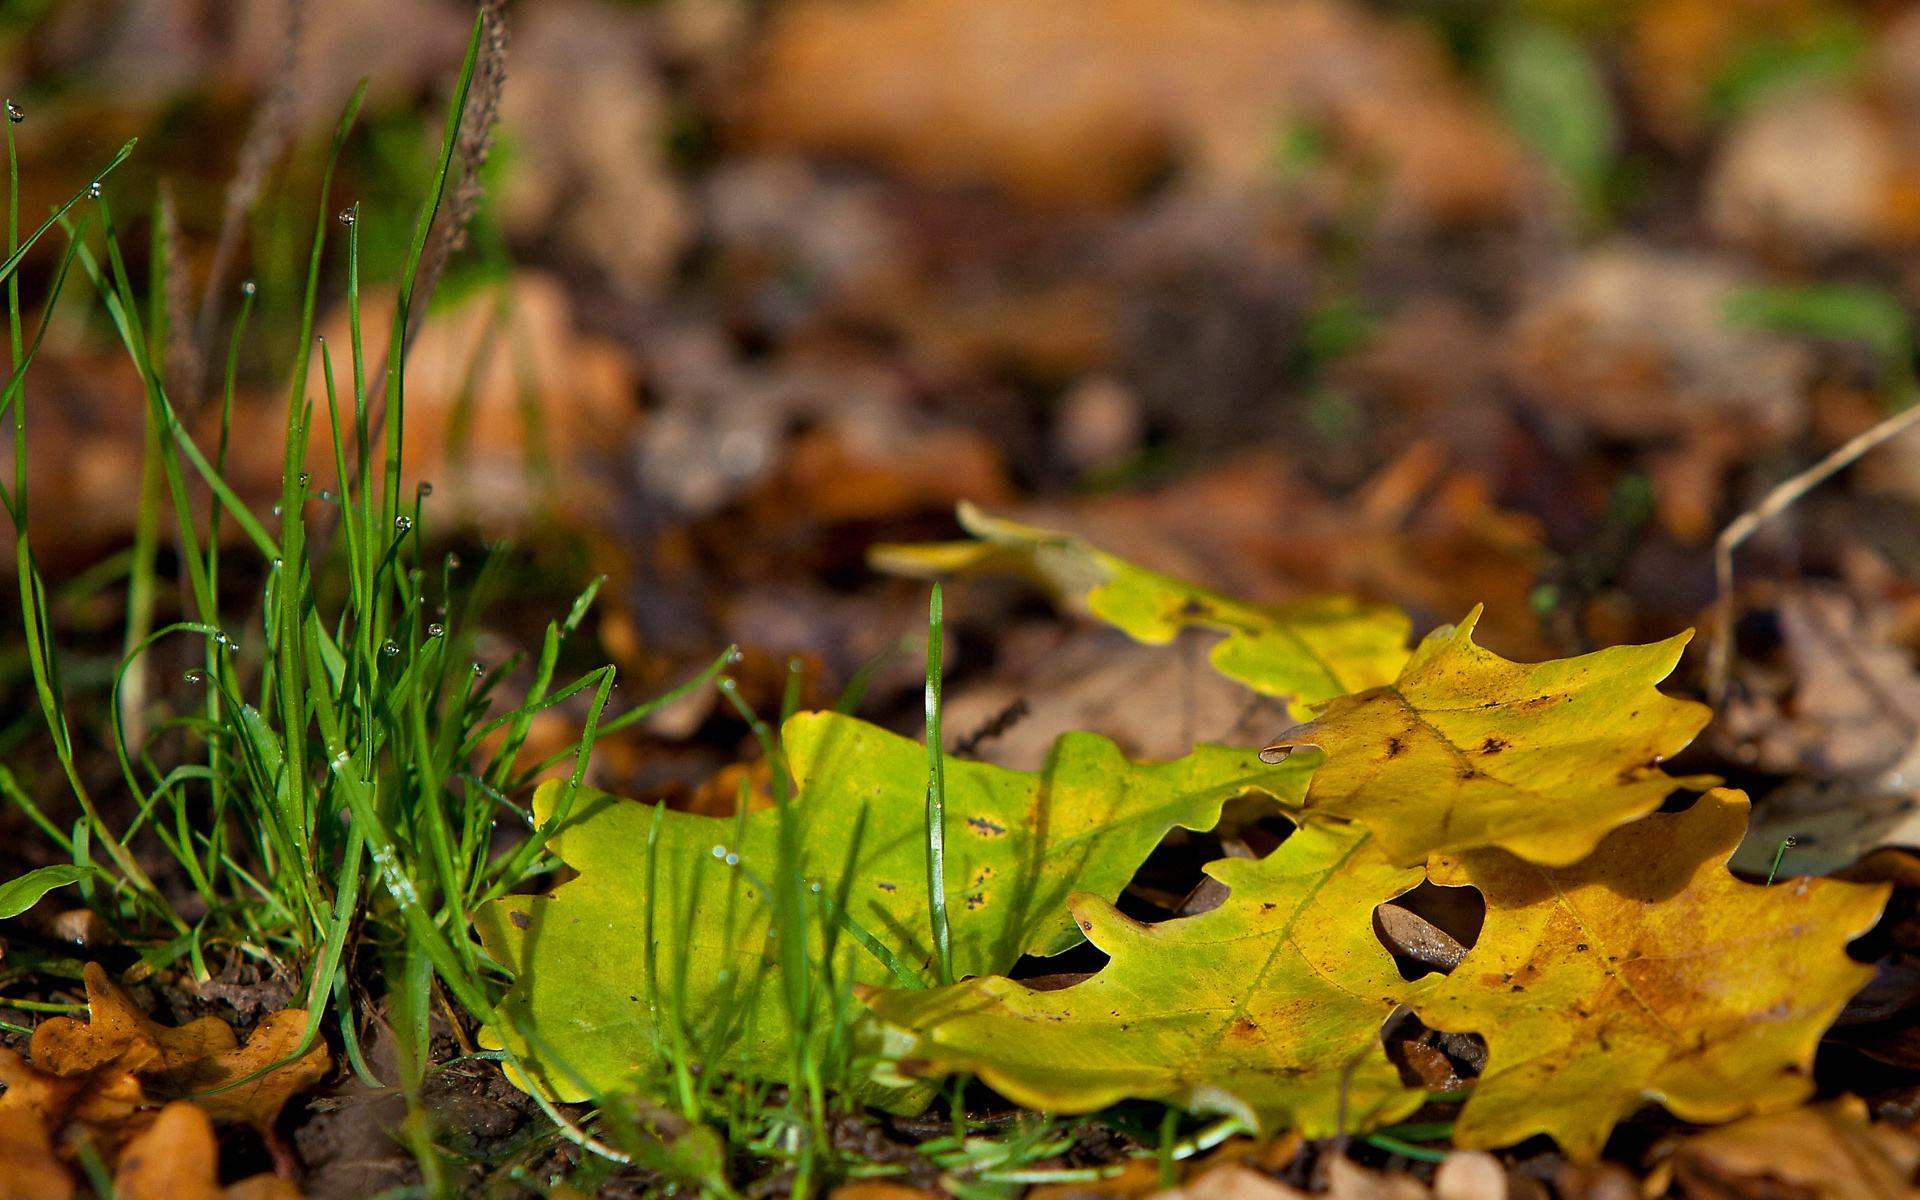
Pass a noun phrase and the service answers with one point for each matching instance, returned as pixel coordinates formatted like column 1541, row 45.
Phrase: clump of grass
column 338, row 798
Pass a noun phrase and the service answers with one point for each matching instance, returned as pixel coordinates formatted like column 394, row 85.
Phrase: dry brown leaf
column 1348, row 1180
column 510, row 408
column 1635, row 343
column 1676, row 48
column 1843, row 719
column 587, row 119
column 1815, row 174
column 31, row 1170
column 1420, row 534
column 1470, row 1175
column 1156, row 702
column 257, row 1103
column 1233, row 1182
column 1077, row 102
column 104, row 1106
column 177, row 1159
column 1825, row 1151
column 86, row 1079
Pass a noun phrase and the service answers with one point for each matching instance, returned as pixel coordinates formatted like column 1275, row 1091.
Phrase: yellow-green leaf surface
column 1017, row 844
column 1645, row 973
column 1311, row 651
column 1269, row 1006
column 1467, row 750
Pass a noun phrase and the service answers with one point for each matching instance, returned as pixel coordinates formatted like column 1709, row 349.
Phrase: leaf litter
column 1332, row 183
column 97, row 1087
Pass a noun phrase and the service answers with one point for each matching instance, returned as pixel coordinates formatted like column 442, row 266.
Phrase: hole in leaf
column 1430, row 1058
column 1429, row 929
column 1170, row 883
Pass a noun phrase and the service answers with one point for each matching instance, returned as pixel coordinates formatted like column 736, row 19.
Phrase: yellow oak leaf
column 1646, row 972
column 1466, row 750
column 1311, row 650
column 1269, row 1006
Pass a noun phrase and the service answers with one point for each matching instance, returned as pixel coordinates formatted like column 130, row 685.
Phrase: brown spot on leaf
column 1394, row 747
column 985, row 828
column 519, row 920
column 1493, row 745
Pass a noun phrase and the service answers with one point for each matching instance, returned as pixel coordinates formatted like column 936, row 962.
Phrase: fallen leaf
column 104, row 1106
column 258, row 1103
column 1309, row 651
column 88, row 1079
column 1233, row 1182
column 1816, row 171
column 511, row 408
column 1155, row 702
column 1269, row 1006
column 1068, row 102
column 1470, row 1175
column 1466, row 749
column 1017, row 844
column 32, row 1172
column 1841, row 717
column 177, row 1159
column 1636, row 343
column 1824, row 1151
column 588, row 121
column 1348, row 1180
column 1645, row 973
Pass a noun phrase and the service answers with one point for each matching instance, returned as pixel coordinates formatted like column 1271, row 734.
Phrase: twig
column 476, row 142
column 1720, row 649
column 266, row 137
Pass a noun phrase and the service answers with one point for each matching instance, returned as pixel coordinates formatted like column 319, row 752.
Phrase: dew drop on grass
column 453, row 562
column 196, row 675
column 436, row 630
column 346, row 216
column 479, row 670
column 14, row 114
column 733, row 860
column 93, row 190
column 276, row 512
column 249, row 288
column 719, row 851
column 403, row 523
column 326, row 494
column 425, row 488
column 304, row 476
column 390, row 649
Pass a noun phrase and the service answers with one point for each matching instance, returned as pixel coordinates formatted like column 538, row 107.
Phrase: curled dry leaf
column 1466, row 749
column 177, row 1159
column 89, row 1079
column 1310, row 651
column 1018, row 843
column 1646, row 972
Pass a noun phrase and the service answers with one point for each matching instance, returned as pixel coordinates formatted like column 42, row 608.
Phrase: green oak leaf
column 1269, row 1007
column 1310, row 650
column 1018, row 843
